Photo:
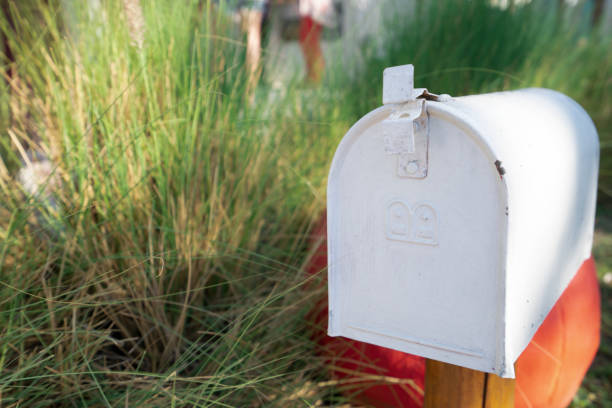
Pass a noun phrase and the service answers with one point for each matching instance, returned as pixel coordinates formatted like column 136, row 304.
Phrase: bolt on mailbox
column 455, row 224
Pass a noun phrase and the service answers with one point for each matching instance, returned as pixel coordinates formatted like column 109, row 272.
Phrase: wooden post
column 451, row 386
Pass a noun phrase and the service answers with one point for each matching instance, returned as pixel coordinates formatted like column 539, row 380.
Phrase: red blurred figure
column 314, row 15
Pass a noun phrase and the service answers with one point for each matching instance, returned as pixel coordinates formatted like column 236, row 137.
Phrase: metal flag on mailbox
column 455, row 224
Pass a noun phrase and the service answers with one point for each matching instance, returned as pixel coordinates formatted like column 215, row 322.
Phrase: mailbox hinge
column 406, row 130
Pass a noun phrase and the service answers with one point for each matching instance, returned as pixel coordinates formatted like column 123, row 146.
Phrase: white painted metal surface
column 462, row 263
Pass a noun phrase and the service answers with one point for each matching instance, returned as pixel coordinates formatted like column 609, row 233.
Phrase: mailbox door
column 416, row 264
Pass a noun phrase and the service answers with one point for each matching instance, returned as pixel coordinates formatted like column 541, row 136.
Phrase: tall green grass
column 171, row 272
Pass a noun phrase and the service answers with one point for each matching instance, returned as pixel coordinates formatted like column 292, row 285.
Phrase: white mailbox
column 454, row 224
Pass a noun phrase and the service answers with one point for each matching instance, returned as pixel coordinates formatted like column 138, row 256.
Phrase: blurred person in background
column 250, row 14
column 251, row 17
column 314, row 15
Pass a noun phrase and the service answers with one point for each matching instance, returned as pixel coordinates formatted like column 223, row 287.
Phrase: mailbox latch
column 406, row 130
